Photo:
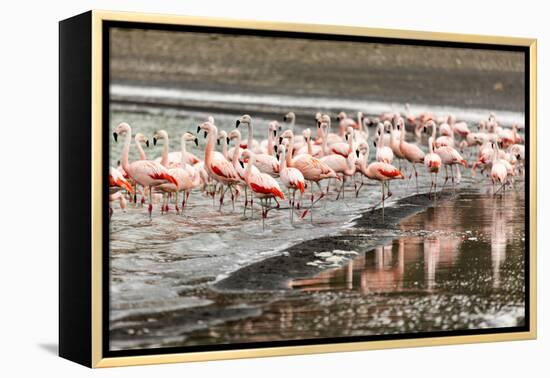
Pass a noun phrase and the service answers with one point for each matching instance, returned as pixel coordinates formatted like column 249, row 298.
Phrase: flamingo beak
column 374, row 143
column 154, row 141
column 237, row 123
column 284, row 118
column 218, row 142
column 241, row 163
column 357, row 153
column 275, row 148
column 280, row 140
column 318, row 124
column 147, row 142
column 277, row 156
column 115, row 135
column 196, row 142
column 274, row 133
column 205, row 133
column 227, row 140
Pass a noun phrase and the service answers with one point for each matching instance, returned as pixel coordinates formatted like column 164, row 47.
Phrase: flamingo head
column 287, row 134
column 140, row 138
column 245, row 118
column 274, row 127
column 160, row 134
column 307, row 135
column 207, row 127
column 235, row 135
column 188, row 137
column 122, row 129
column 341, row 116
column 429, row 123
column 289, row 117
column 222, row 136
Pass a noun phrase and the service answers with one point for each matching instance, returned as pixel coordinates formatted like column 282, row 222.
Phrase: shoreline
column 274, row 273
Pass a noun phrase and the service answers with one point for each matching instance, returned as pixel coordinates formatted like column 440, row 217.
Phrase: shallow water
column 463, row 258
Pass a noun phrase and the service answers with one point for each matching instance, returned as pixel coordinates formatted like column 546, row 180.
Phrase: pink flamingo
column 140, row 138
column 292, row 179
column 382, row 172
column 312, row 168
column 261, row 185
column 266, row 145
column 344, row 148
column 432, row 161
column 499, row 172
column 384, row 153
column 145, row 172
column 410, row 151
column 251, row 143
column 217, row 166
column 343, row 166
column 171, row 159
column 117, row 182
column 290, row 118
column 241, row 169
column 450, row 157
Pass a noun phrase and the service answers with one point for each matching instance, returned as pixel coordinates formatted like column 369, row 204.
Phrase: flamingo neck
column 209, row 149
column 125, row 151
column 142, row 155
column 165, row 147
column 290, row 151
column 292, row 123
column 224, row 148
column 309, row 147
column 325, row 137
column 270, row 142
column 250, row 136
column 248, row 169
column 282, row 161
column 183, row 151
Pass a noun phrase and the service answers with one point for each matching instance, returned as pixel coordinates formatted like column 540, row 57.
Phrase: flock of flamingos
column 302, row 162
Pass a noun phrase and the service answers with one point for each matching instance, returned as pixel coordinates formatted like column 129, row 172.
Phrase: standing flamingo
column 145, row 172
column 432, row 161
column 344, row 166
column 217, row 166
column 384, row 173
column 292, row 179
column 384, row 153
column 241, row 169
column 410, row 151
column 499, row 171
column 262, row 185
column 251, row 143
column 312, row 168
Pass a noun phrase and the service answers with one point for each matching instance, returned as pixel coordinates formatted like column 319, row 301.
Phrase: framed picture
column 235, row 189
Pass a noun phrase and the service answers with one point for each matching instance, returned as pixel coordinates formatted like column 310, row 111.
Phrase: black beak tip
column 205, row 134
column 198, row 129
column 357, row 153
column 218, row 142
column 280, row 140
column 147, row 143
column 227, row 140
column 196, row 142
column 241, row 163
column 115, row 135
column 275, row 148
column 237, row 123
column 154, row 141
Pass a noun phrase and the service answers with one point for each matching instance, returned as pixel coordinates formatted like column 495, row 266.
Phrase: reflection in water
column 441, row 244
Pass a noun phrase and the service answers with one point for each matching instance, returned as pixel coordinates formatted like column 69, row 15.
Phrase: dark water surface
column 458, row 265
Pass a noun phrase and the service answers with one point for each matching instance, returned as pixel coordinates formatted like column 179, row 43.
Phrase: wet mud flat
column 455, row 266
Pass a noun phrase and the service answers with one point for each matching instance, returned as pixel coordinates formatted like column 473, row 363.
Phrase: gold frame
column 99, row 16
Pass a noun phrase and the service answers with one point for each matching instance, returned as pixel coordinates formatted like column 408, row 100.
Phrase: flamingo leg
column 415, row 176
column 177, row 208
column 150, row 207
column 383, row 201
column 245, row 200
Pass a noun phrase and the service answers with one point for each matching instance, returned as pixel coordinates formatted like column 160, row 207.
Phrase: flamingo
column 432, row 161
column 292, row 179
column 140, row 138
column 382, row 172
column 217, row 166
column 236, row 136
column 251, row 143
column 266, row 145
column 299, row 140
column 344, row 166
column 499, row 171
column 410, row 151
column 450, row 157
column 261, row 185
column 312, row 168
column 344, row 148
column 144, row 172
column 383, row 153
